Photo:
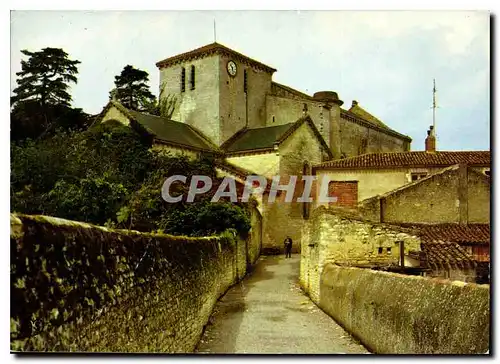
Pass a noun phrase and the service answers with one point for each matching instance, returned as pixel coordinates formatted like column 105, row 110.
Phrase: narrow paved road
column 267, row 313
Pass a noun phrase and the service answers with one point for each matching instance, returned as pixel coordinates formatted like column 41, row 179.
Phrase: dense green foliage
column 109, row 175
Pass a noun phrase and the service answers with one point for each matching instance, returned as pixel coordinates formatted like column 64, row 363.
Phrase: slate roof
column 259, row 138
column 410, row 159
column 209, row 49
column 458, row 233
column 165, row 130
column 262, row 139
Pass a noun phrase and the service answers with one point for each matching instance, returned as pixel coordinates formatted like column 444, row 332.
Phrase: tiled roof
column 457, row 233
column 267, row 137
column 372, row 123
column 359, row 111
column 411, row 159
column 443, row 254
column 165, row 130
column 213, row 48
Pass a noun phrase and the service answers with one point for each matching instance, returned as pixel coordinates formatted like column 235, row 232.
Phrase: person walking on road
column 288, row 247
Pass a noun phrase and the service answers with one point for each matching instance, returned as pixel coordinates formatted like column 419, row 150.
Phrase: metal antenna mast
column 215, row 32
column 434, row 106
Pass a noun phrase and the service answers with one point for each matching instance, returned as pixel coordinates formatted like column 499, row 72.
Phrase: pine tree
column 132, row 90
column 45, row 77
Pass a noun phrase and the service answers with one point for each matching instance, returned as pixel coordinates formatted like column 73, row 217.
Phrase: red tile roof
column 213, row 48
column 441, row 254
column 410, row 159
column 457, row 233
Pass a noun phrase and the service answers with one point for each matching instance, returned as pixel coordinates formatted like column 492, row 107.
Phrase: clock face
column 231, row 68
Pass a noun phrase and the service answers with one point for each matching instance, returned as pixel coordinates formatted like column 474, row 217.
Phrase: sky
column 386, row 60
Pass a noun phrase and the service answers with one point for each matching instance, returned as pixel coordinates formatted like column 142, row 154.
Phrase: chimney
column 430, row 141
column 354, row 103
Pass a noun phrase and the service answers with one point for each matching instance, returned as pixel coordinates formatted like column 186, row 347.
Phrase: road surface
column 267, row 313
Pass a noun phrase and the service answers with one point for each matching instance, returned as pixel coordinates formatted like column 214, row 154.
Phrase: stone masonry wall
column 282, row 219
column 478, row 198
column 337, row 236
column 79, row 287
column 357, row 139
column 198, row 107
column 397, row 314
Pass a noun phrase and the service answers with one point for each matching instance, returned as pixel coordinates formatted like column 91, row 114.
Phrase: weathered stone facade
column 455, row 195
column 337, row 236
column 198, row 107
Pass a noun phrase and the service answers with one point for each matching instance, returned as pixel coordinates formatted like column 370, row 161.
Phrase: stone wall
column 114, row 114
column 357, row 139
column 264, row 164
column 448, row 197
column 371, row 182
column 285, row 110
column 237, row 108
column 478, row 197
column 79, row 287
column 282, row 219
column 397, row 314
column 434, row 200
column 198, row 107
column 341, row 237
column 255, row 240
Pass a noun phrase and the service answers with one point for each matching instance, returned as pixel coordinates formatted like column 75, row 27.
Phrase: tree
column 45, row 77
column 41, row 102
column 132, row 90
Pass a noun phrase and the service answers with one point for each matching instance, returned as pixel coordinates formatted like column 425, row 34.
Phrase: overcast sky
column 384, row 60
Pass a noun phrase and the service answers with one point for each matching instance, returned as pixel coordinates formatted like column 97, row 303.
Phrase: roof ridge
column 409, row 158
column 211, row 47
column 292, row 90
column 297, row 124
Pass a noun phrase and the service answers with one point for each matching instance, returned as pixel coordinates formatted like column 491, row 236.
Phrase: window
column 192, row 78
column 488, row 173
column 380, row 249
column 389, row 251
column 245, row 81
column 417, row 176
column 273, row 119
column 183, row 79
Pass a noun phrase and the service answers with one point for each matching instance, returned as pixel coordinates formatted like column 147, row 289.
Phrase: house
column 359, row 178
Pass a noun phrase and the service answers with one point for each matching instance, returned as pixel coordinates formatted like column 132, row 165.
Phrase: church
column 226, row 103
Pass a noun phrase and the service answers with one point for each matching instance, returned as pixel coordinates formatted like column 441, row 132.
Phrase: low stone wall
column 79, row 287
column 255, row 236
column 397, row 314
